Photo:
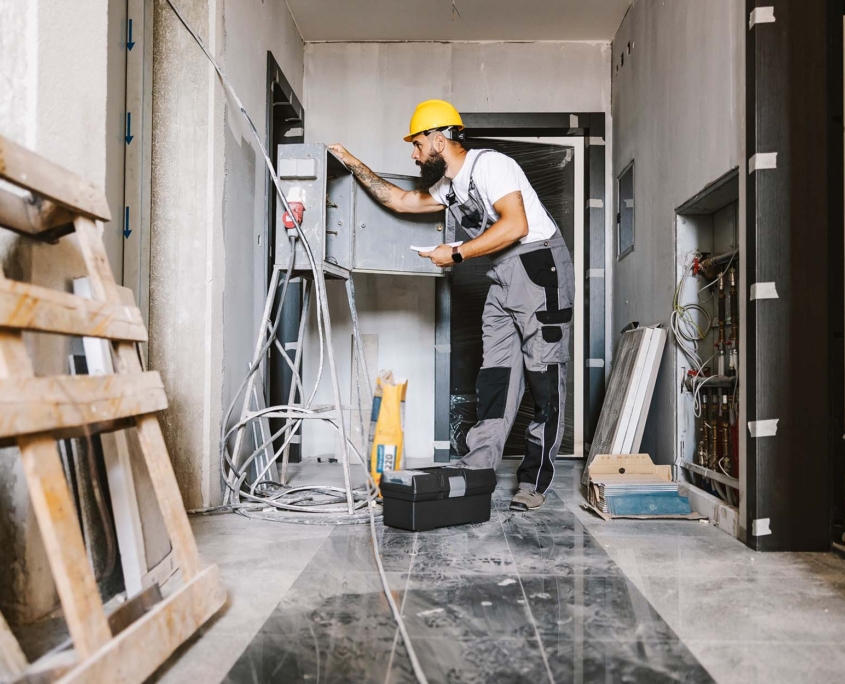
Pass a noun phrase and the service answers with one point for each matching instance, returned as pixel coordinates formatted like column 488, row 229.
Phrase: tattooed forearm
column 383, row 191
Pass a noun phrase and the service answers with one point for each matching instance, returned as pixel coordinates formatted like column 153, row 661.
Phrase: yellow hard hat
column 433, row 114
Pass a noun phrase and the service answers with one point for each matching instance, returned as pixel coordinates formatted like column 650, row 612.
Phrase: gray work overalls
column 525, row 331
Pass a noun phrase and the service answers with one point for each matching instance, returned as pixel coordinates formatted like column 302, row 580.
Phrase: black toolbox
column 426, row 498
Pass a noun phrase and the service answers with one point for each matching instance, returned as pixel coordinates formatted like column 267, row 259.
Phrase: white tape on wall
column 763, row 291
column 763, row 160
column 761, row 527
column 761, row 15
column 763, row 428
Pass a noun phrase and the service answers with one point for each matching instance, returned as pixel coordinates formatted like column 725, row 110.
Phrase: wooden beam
column 137, row 652
column 59, row 527
column 34, row 216
column 41, row 405
column 149, row 434
column 12, row 659
column 30, row 307
column 80, row 431
column 26, row 169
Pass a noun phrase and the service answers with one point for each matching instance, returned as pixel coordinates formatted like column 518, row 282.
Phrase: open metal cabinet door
column 382, row 239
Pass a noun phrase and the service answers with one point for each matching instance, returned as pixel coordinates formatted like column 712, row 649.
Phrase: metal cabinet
column 347, row 229
column 382, row 238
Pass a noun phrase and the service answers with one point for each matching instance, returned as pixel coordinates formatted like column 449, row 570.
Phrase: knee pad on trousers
column 492, row 391
column 543, row 386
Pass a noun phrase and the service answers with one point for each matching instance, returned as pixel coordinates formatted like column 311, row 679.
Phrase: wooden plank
column 81, row 431
column 159, row 551
column 30, row 307
column 34, row 216
column 37, row 405
column 136, row 653
column 77, row 588
column 12, row 659
column 149, row 434
column 28, row 170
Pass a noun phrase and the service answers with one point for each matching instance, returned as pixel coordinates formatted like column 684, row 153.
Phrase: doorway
column 285, row 126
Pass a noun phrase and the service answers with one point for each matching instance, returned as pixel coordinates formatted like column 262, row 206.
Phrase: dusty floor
column 554, row 595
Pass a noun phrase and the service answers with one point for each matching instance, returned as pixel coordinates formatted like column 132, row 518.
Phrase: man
column 529, row 306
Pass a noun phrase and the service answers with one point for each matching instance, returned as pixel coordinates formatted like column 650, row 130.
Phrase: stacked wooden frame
column 36, row 411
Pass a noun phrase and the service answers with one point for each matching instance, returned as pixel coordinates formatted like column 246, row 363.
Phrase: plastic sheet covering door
column 551, row 170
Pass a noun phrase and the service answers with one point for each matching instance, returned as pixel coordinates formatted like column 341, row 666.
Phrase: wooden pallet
column 35, row 412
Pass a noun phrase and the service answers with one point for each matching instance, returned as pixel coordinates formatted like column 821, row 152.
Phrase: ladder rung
column 80, row 431
column 26, row 169
column 54, row 404
column 30, row 307
column 34, row 216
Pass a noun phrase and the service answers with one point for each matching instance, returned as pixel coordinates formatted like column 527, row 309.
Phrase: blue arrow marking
column 126, row 230
column 129, row 135
column 129, row 42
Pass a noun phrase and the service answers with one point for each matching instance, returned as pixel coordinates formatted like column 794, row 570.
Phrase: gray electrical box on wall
column 347, row 229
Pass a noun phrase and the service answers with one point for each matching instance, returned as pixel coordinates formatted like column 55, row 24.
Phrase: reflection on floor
column 553, row 595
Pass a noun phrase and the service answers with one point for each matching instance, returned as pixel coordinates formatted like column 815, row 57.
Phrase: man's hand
column 343, row 154
column 442, row 256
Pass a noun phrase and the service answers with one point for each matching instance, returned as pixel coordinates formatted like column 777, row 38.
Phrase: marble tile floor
column 553, row 595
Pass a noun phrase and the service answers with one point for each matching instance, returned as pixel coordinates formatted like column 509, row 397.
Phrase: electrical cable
column 322, row 299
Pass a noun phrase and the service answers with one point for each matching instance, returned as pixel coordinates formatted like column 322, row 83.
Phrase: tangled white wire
column 688, row 333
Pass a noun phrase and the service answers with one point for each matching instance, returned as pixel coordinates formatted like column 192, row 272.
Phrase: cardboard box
column 631, row 469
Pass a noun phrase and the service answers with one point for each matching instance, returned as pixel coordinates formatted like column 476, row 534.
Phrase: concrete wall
column 678, row 113
column 50, row 105
column 363, row 95
column 208, row 208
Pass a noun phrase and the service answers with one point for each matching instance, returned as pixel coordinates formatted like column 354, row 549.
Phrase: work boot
column 527, row 500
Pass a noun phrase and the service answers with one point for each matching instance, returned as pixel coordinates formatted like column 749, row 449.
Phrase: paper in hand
column 433, row 247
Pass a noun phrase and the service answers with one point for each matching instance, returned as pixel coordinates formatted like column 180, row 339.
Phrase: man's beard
column 432, row 170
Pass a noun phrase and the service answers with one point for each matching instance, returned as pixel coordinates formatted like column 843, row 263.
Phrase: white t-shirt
column 495, row 176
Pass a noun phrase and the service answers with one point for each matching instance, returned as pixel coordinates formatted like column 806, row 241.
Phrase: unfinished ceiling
column 383, row 20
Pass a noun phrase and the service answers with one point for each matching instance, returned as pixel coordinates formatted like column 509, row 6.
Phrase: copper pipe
column 734, row 309
column 722, row 310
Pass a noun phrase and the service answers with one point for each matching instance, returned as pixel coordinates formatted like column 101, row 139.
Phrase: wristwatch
column 457, row 257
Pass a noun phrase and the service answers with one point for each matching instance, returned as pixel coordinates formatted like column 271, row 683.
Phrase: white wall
column 678, row 112
column 363, row 95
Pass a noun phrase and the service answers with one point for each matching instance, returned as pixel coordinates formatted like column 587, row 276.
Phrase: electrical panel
column 347, row 229
column 705, row 323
